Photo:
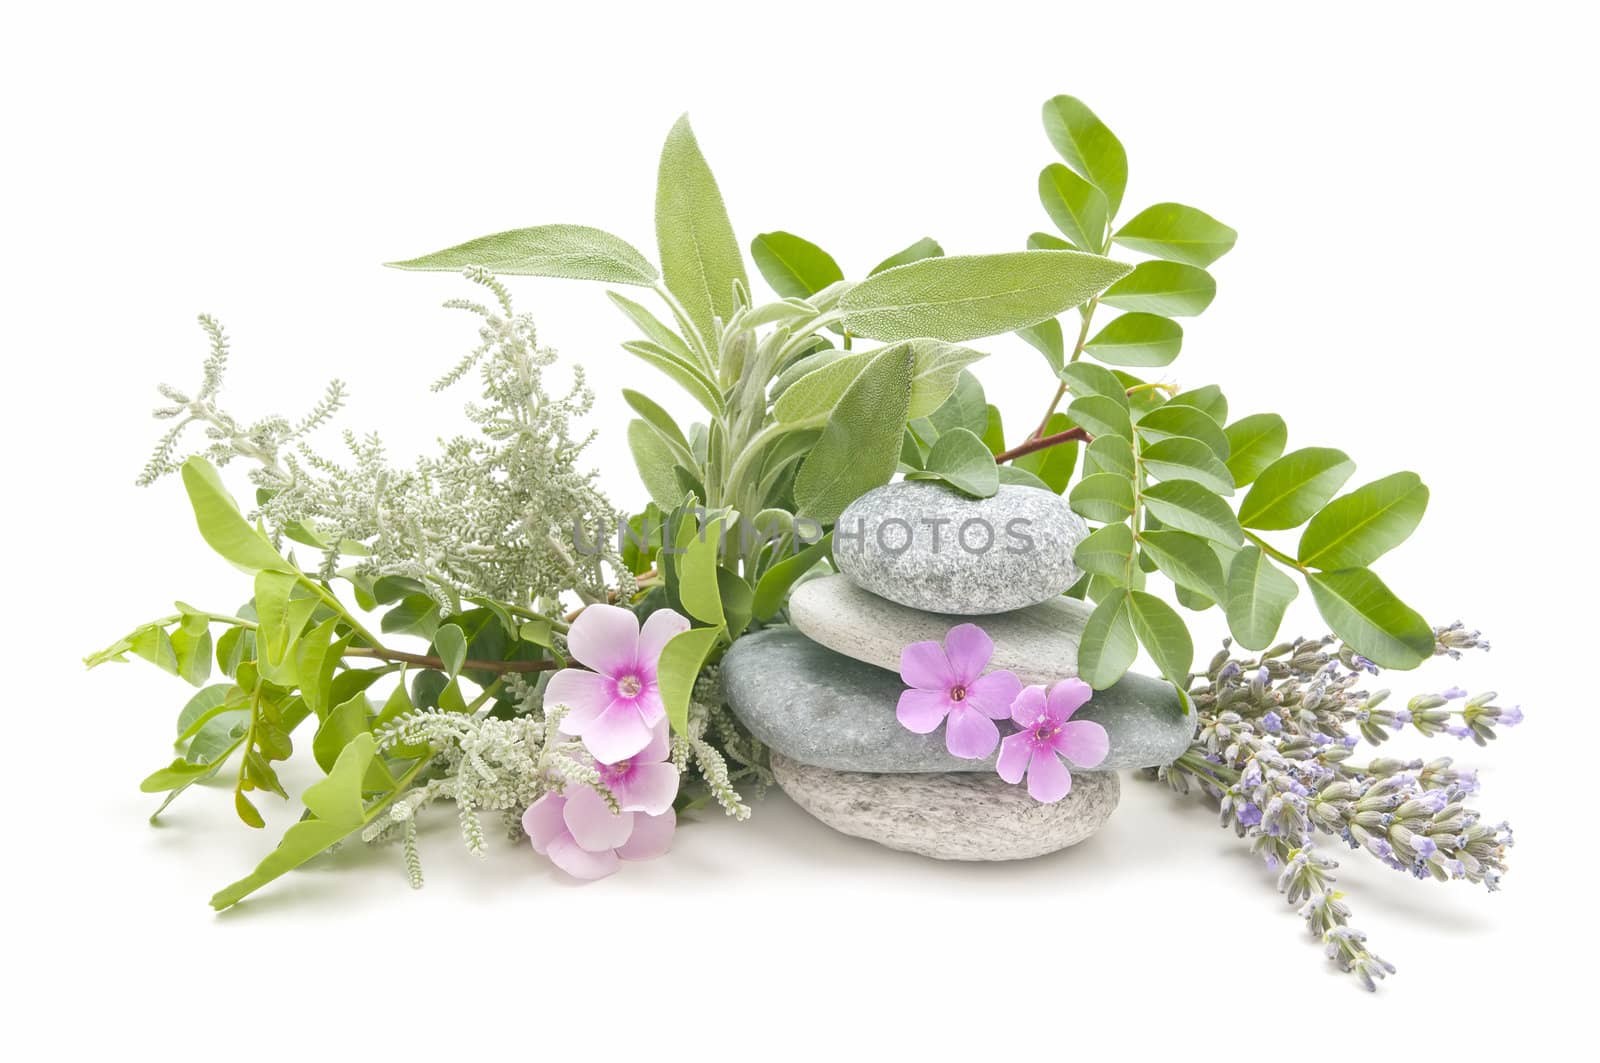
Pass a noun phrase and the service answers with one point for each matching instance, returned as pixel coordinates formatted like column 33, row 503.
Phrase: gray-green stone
column 820, row 708
column 928, row 546
column 957, row 816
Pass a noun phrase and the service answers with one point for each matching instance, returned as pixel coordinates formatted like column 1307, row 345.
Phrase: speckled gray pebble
column 817, row 707
column 954, row 816
column 926, row 545
column 1039, row 643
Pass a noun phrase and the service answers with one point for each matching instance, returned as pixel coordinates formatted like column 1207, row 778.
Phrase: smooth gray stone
column 951, row 816
column 817, row 707
column 1039, row 644
column 928, row 546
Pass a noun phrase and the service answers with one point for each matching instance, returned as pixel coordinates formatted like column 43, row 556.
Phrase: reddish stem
column 1041, row 442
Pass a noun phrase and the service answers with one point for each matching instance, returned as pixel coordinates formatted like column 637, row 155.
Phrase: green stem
column 1077, row 352
column 1274, row 553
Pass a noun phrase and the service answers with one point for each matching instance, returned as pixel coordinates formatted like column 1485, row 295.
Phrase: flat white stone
column 951, row 816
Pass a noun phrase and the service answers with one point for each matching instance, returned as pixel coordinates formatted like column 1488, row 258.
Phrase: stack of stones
column 915, row 560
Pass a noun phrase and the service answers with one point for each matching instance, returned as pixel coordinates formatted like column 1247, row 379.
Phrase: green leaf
column 334, row 810
column 1109, row 645
column 795, row 268
column 860, row 447
column 927, row 247
column 317, row 655
column 738, row 601
column 1106, row 552
column 1137, row 340
column 1258, row 596
column 1010, row 474
column 773, row 587
column 653, row 329
column 1109, row 454
column 1208, row 399
column 961, row 459
column 1176, row 420
column 1085, row 378
column 191, row 649
column 203, row 705
column 655, row 458
column 700, row 258
column 685, row 375
column 1171, row 289
column 965, row 408
column 1047, row 242
column 221, row 524
column 679, row 666
column 1053, row 465
column 233, row 646
column 1078, row 208
column 935, row 370
column 697, row 575
column 1101, row 415
column 1046, row 338
column 967, row 296
column 994, row 433
column 577, row 252
column 1088, row 146
column 661, row 421
column 450, row 642
column 1178, row 233
column 1254, row 442
column 819, row 391
column 1356, row 529
column 1294, row 487
column 1183, row 458
column 1367, row 615
column 1186, row 506
column 1104, row 497
column 178, row 774
column 347, row 720
column 1187, row 560
column 281, row 618
column 1164, row 635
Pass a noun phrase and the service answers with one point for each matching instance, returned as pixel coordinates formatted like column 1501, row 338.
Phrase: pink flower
column 615, row 707
column 948, row 684
column 583, row 837
column 644, row 782
column 1047, row 729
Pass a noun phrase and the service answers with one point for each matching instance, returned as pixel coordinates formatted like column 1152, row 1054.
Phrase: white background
column 1413, row 282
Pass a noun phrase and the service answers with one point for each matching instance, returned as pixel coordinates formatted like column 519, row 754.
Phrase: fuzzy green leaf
column 1258, row 595
column 1109, row 644
column 1356, row 529
column 685, row 374
column 818, row 392
column 1367, row 615
column 965, row 297
column 577, row 252
column 934, row 372
column 1171, row 289
column 654, row 457
column 1254, row 442
column 795, row 268
column 1137, row 340
column 1163, row 633
column 661, row 421
column 679, row 666
column 1177, row 233
column 1087, row 146
column 700, row 258
column 860, row 447
column 653, row 329
column 1294, row 487
column 221, row 524
column 1078, row 208
column 961, row 459
column 927, row 247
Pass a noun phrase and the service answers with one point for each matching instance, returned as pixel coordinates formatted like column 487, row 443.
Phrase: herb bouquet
column 484, row 628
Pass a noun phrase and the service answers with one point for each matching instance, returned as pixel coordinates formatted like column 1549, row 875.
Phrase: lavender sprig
column 1274, row 750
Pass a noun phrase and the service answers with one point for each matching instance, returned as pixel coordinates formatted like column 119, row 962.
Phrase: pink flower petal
column 606, row 638
column 1083, row 742
column 968, row 648
column 543, row 821
column 578, row 862
column 592, row 823
column 617, row 734
column 660, row 743
column 1048, row 779
column 1028, row 707
column 969, row 733
column 586, row 693
column 648, row 704
column 993, row 694
column 924, row 665
column 652, row 837
column 1067, row 697
column 922, row 711
column 1014, row 753
column 659, row 628
column 648, row 788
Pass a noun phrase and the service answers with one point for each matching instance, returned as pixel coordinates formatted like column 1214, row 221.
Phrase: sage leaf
column 1356, row 529
column 683, row 373
column 1363, row 612
column 936, row 368
column 654, row 458
column 1079, row 209
column 819, row 391
column 1109, row 644
column 1254, row 442
column 1171, row 289
column 1163, row 633
column 700, row 259
column 860, row 447
column 661, row 421
column 965, row 297
column 653, row 329
column 1184, row 458
column 576, row 252
column 1186, row 506
column 1137, row 340
column 223, row 527
column 927, row 247
column 1104, row 497
column 795, row 268
column 1294, row 487
column 961, row 459
column 1087, row 146
column 1177, row 233
column 1258, row 595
